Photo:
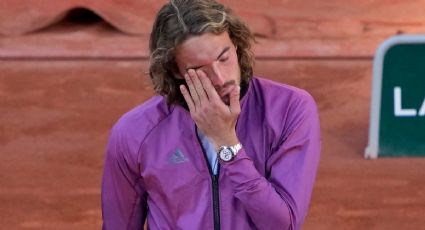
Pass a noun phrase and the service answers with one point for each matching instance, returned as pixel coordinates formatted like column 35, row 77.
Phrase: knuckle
column 205, row 109
column 236, row 112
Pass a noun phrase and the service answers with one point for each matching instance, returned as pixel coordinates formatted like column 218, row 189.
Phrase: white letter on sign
column 422, row 109
column 398, row 110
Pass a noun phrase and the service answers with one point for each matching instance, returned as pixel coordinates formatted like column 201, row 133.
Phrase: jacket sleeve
column 280, row 199
column 123, row 196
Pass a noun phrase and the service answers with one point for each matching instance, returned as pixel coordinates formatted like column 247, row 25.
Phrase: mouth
column 225, row 90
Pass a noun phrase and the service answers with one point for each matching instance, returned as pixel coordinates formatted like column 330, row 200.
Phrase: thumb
column 235, row 106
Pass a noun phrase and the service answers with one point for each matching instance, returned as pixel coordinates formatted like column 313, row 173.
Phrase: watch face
column 226, row 154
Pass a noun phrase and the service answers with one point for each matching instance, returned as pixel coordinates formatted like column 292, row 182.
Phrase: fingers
column 200, row 93
column 195, row 94
column 192, row 91
column 208, row 87
column 197, row 86
column 235, row 106
column 187, row 97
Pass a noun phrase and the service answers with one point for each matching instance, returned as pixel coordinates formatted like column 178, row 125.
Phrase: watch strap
column 236, row 148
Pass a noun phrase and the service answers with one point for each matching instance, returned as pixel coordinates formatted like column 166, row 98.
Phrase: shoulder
column 144, row 115
column 281, row 96
column 132, row 128
column 283, row 107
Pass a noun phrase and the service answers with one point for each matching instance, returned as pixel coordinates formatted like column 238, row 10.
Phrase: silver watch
column 228, row 153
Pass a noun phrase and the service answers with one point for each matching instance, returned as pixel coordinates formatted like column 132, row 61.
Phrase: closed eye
column 223, row 59
column 224, row 55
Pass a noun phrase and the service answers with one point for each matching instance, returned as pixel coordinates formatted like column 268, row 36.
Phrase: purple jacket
column 155, row 168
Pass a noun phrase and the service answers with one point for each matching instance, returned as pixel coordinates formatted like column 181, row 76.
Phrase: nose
column 216, row 75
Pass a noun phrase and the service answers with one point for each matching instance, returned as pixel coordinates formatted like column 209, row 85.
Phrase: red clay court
column 63, row 86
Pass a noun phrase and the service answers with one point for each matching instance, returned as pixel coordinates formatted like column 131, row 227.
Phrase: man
column 217, row 148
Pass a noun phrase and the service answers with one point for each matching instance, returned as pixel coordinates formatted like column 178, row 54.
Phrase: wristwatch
column 228, row 153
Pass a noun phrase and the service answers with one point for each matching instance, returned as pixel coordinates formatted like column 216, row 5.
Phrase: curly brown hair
column 178, row 20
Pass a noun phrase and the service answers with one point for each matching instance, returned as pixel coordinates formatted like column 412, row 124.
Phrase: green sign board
column 397, row 122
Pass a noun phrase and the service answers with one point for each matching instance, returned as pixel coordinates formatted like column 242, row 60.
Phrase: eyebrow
column 227, row 48
column 222, row 52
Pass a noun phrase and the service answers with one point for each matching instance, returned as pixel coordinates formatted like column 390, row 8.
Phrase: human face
column 216, row 56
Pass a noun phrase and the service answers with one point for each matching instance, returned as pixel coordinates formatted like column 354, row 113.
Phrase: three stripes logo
column 178, row 157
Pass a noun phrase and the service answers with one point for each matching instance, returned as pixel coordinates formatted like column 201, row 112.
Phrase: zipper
column 215, row 187
column 216, row 201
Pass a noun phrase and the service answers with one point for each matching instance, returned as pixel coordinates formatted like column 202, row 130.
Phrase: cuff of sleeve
column 241, row 170
column 240, row 156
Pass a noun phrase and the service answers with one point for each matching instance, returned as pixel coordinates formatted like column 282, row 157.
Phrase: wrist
column 229, row 140
column 228, row 153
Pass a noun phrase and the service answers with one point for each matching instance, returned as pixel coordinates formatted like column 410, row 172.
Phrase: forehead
column 197, row 50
